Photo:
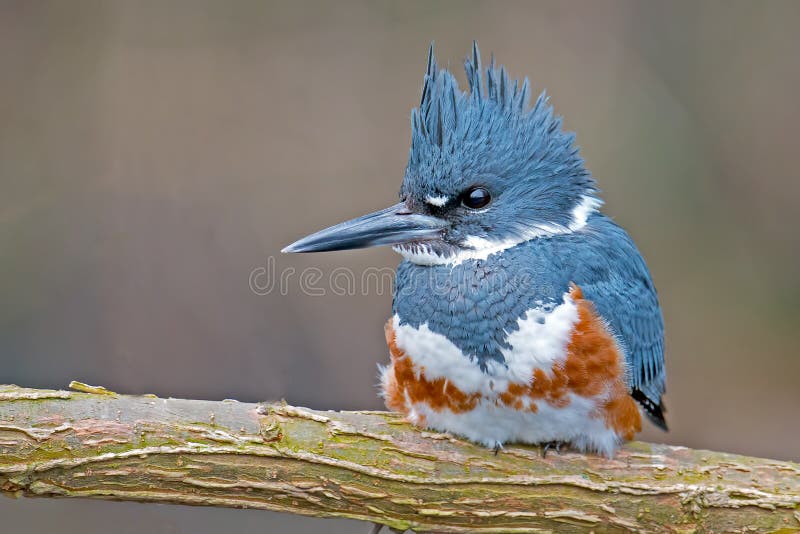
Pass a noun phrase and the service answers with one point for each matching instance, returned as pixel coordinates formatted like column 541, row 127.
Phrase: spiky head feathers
column 491, row 136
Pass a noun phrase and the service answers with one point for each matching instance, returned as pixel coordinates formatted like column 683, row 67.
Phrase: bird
column 521, row 312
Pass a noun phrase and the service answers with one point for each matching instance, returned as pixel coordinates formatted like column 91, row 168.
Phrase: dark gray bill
column 391, row 226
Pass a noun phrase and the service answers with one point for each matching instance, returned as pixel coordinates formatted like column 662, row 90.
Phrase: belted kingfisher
column 521, row 313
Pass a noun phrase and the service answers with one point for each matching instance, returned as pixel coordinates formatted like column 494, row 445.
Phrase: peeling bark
column 370, row 466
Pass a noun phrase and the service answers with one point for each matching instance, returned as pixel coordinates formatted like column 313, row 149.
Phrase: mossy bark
column 370, row 466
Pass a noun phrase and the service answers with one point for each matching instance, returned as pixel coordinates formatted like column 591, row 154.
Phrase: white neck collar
column 479, row 248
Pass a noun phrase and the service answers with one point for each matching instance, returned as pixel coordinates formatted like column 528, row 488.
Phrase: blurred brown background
column 154, row 153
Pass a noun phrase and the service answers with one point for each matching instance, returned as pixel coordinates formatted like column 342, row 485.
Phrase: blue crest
column 492, row 136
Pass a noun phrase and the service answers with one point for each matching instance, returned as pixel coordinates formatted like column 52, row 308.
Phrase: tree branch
column 370, row 466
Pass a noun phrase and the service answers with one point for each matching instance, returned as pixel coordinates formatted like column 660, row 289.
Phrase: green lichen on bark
column 371, row 466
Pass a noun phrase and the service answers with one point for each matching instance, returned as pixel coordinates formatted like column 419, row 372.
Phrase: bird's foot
column 497, row 447
column 553, row 446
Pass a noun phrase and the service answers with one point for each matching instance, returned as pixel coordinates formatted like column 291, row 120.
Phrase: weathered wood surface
column 371, row 466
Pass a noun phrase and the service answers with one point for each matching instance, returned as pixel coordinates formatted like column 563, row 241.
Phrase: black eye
column 476, row 198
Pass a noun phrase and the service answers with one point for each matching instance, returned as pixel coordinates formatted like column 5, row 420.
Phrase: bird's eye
column 476, row 198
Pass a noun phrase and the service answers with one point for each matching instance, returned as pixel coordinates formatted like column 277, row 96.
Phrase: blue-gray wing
column 615, row 278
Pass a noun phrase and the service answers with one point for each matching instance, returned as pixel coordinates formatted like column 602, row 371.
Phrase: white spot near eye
column 436, row 201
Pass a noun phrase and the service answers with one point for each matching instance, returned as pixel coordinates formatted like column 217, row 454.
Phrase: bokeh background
column 154, row 153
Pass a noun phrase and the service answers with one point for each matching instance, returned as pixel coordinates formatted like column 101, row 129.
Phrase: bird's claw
column 552, row 445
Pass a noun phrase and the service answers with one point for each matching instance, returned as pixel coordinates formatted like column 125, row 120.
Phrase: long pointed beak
column 391, row 226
